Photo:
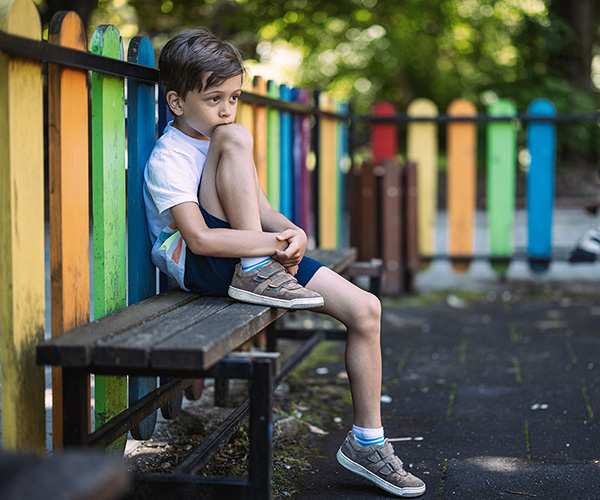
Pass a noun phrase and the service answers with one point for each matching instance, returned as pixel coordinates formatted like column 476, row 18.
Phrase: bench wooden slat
column 206, row 343
column 175, row 328
column 74, row 347
column 133, row 347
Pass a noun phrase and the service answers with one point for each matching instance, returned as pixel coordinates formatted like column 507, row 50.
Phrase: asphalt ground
column 489, row 394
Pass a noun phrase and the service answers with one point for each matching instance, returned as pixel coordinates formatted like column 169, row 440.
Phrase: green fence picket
column 109, row 232
column 501, row 182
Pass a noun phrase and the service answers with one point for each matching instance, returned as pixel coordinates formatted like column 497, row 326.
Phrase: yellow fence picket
column 22, row 235
column 422, row 148
column 328, row 175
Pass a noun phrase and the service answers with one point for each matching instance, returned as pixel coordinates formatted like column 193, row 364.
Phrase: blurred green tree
column 368, row 50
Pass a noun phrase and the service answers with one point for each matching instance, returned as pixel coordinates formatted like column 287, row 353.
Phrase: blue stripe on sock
column 256, row 266
column 369, row 442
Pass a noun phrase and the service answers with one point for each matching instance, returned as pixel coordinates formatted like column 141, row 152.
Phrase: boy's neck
column 183, row 127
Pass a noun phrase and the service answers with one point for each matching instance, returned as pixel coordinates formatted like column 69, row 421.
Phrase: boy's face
column 200, row 113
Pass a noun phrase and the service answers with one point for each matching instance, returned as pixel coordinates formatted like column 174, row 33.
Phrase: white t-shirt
column 172, row 176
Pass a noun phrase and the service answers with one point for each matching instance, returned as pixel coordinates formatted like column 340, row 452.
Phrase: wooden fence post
column 108, row 171
column 501, row 182
column 461, row 175
column 260, row 134
column 141, row 272
column 69, row 196
column 411, row 240
column 286, row 166
column 422, row 148
column 384, row 143
column 273, row 150
column 328, row 175
column 22, row 237
column 541, row 144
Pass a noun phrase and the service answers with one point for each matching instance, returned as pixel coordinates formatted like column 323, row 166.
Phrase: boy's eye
column 214, row 99
column 235, row 97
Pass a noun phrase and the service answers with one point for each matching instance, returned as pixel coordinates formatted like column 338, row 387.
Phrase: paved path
column 492, row 395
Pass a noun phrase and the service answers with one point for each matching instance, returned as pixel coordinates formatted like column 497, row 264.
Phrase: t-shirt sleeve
column 172, row 178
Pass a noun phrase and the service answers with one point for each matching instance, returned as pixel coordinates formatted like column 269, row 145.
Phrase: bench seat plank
column 132, row 347
column 174, row 329
column 74, row 347
column 206, row 343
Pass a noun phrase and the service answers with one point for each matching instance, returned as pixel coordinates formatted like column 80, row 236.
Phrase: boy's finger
column 286, row 235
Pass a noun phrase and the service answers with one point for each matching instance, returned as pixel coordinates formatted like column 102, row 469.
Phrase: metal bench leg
column 272, row 337
column 261, row 429
column 75, row 407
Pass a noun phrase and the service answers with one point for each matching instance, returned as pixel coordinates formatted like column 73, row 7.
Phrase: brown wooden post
column 391, row 228
column 365, row 229
column 411, row 224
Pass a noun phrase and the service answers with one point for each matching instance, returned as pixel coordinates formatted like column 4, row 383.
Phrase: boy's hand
column 292, row 255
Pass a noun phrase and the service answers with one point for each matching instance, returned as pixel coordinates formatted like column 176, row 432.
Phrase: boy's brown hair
column 195, row 60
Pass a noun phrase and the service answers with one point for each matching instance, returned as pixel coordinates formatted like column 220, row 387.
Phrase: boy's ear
column 174, row 102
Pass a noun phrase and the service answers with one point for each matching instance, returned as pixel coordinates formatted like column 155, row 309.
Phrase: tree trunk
column 576, row 54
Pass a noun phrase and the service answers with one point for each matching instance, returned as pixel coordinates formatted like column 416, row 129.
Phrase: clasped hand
column 292, row 255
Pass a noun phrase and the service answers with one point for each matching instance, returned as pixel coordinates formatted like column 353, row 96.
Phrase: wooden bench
column 175, row 335
column 182, row 336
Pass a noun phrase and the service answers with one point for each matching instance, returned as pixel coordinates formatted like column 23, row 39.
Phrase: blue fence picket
column 285, row 151
column 343, row 237
column 141, row 273
column 541, row 144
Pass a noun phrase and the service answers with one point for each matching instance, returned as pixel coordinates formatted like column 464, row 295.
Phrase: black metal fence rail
column 40, row 50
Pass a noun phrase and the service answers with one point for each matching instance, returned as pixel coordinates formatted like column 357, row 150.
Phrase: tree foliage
column 368, row 50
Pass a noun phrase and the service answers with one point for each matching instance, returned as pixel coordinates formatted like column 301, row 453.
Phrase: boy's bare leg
column 360, row 312
column 229, row 189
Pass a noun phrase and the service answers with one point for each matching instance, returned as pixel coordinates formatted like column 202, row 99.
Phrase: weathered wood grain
column 22, row 299
column 69, row 195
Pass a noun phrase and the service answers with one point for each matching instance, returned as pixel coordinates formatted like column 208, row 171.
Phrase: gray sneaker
column 380, row 465
column 272, row 285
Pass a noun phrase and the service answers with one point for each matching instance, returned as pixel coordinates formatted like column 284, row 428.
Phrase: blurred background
column 371, row 50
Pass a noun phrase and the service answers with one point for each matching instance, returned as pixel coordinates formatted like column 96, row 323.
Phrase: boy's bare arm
column 221, row 242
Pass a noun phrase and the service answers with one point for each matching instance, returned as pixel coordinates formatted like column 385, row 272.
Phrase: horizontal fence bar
column 558, row 255
column 402, row 118
column 56, row 54
column 37, row 50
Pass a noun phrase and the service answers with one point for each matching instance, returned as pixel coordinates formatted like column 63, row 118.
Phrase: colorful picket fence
column 423, row 122
column 121, row 137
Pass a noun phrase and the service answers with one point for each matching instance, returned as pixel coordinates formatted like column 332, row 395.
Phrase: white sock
column 252, row 263
column 368, row 437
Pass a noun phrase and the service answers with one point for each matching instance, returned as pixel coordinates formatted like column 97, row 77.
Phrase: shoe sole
column 408, row 492
column 254, row 298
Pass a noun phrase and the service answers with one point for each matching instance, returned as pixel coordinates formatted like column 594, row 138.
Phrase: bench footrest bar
column 120, row 424
column 201, row 455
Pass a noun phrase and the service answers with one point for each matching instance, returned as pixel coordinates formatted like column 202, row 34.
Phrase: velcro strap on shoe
column 275, row 281
column 392, row 464
column 374, row 457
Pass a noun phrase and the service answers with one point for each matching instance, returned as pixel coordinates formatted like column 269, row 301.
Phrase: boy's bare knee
column 233, row 135
column 372, row 307
column 367, row 313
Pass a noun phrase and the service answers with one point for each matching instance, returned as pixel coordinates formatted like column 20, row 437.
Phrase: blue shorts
column 212, row 275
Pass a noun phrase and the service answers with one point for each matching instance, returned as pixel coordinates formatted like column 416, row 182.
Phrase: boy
column 221, row 236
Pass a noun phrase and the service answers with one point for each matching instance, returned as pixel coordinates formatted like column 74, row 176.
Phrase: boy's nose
column 225, row 111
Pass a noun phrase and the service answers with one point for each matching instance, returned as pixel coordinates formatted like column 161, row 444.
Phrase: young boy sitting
column 214, row 232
